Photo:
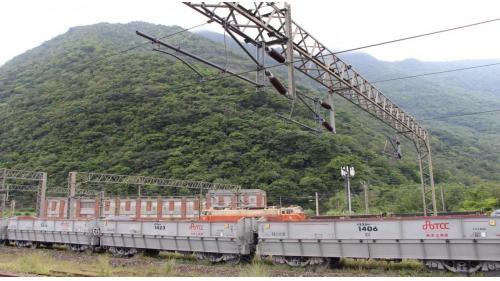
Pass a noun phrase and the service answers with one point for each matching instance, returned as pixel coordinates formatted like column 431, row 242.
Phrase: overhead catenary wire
column 460, row 115
column 246, row 72
column 226, row 75
column 417, row 36
column 435, row 73
column 217, row 78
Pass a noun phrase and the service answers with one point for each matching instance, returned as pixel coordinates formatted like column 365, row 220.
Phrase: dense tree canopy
column 133, row 114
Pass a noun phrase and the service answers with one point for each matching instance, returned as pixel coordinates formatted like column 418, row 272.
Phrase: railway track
column 7, row 274
column 52, row 273
column 15, row 274
column 58, row 273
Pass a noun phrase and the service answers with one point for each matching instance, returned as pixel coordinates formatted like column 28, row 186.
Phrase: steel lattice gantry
column 76, row 179
column 40, row 186
column 267, row 24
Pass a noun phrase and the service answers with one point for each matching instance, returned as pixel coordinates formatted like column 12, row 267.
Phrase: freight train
column 457, row 243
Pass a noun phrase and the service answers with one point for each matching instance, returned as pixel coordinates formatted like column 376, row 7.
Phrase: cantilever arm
column 202, row 60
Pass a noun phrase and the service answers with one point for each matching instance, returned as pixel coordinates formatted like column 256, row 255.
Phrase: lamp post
column 347, row 172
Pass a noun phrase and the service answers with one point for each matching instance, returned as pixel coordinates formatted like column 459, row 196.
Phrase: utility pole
column 317, row 204
column 200, row 203
column 443, row 203
column 349, row 193
column 12, row 207
column 71, row 193
column 289, row 50
column 41, row 195
column 3, row 208
column 101, row 204
column 365, row 189
column 347, row 172
column 6, row 194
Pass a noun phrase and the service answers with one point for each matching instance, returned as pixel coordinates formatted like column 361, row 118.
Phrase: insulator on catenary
column 276, row 84
column 275, row 55
column 327, row 126
column 326, row 105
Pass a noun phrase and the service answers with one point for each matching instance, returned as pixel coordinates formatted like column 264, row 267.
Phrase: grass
column 41, row 262
column 403, row 268
column 34, row 263
column 169, row 268
column 257, row 268
column 45, row 262
column 102, row 266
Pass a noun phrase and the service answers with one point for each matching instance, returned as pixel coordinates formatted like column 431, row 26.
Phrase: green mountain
column 63, row 108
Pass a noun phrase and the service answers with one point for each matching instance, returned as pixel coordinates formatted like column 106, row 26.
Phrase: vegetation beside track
column 60, row 262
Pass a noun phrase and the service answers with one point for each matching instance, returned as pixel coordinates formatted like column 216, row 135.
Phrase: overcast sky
column 25, row 24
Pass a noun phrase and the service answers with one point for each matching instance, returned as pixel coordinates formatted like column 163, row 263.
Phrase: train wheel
column 462, row 266
column 297, row 261
column 491, row 266
column 278, row 260
column 214, row 257
column 322, row 263
column 458, row 266
column 232, row 259
column 19, row 244
column 34, row 245
column 131, row 252
column 122, row 252
column 117, row 252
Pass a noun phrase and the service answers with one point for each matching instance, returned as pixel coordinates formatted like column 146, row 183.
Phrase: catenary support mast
column 270, row 23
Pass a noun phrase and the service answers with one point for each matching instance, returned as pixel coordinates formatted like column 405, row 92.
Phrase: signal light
column 326, row 105
column 327, row 126
column 275, row 55
column 276, row 84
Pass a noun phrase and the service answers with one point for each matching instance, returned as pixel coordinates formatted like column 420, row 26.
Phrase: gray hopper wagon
column 458, row 244
column 214, row 241
column 79, row 235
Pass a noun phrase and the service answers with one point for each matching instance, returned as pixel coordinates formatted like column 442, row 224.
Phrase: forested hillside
column 140, row 112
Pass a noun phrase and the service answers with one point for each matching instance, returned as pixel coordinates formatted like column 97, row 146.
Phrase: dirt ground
column 62, row 262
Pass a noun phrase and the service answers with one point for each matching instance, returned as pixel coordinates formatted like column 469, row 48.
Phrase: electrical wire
column 219, row 77
column 460, row 115
column 434, row 73
column 417, row 36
